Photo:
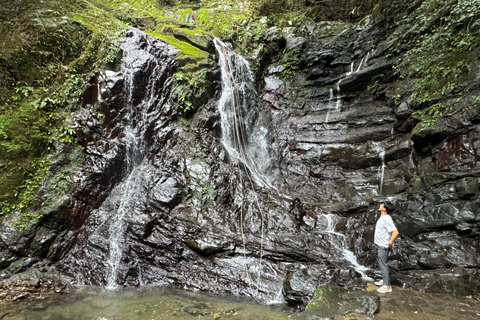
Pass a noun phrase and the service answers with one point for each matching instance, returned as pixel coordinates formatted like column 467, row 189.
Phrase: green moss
column 184, row 47
column 51, row 50
column 185, row 12
column 203, row 18
column 104, row 24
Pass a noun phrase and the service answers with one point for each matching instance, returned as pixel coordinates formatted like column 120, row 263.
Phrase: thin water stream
column 152, row 303
column 244, row 137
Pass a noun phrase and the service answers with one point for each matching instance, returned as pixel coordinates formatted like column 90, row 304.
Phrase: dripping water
column 381, row 170
column 349, row 73
column 329, row 109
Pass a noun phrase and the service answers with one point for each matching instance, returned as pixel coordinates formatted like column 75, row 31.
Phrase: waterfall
column 117, row 227
column 140, row 103
column 126, row 192
column 243, row 136
column 340, row 239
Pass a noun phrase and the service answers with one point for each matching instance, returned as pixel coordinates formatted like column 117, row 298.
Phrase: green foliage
column 477, row 100
column 396, row 98
column 435, row 40
column 188, row 89
column 22, row 90
column 430, row 114
column 29, row 131
column 26, row 193
column 443, row 37
column 290, row 62
column 208, row 189
column 32, row 116
column 67, row 134
column 352, row 10
column 376, row 82
column 289, row 70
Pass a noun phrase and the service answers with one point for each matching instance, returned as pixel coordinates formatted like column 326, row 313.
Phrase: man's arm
column 393, row 237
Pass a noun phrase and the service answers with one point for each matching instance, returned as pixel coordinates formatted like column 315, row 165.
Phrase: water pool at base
column 147, row 303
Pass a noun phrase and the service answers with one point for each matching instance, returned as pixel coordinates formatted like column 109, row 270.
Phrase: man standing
column 385, row 235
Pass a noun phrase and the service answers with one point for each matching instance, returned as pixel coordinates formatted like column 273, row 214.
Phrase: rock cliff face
column 160, row 200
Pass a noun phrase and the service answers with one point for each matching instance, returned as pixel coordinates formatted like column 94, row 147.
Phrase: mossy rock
column 329, row 302
column 200, row 40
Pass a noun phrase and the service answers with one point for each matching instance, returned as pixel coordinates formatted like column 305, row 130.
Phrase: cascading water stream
column 234, row 104
column 134, row 145
column 331, row 223
column 340, row 241
column 140, row 102
column 246, row 144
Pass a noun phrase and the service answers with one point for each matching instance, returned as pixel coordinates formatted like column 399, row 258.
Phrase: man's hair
column 389, row 207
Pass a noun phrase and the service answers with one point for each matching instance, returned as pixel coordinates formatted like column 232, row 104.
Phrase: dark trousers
column 382, row 257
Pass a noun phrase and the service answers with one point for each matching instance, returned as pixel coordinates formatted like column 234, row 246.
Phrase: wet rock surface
column 36, row 283
column 30, row 289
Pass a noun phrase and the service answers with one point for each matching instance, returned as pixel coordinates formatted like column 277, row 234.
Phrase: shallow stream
column 147, row 303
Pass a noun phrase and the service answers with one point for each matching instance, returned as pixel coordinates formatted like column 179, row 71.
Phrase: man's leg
column 382, row 256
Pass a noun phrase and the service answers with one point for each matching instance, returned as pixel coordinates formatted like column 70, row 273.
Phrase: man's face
column 382, row 208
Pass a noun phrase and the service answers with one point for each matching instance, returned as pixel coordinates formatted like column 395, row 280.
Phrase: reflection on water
column 147, row 303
